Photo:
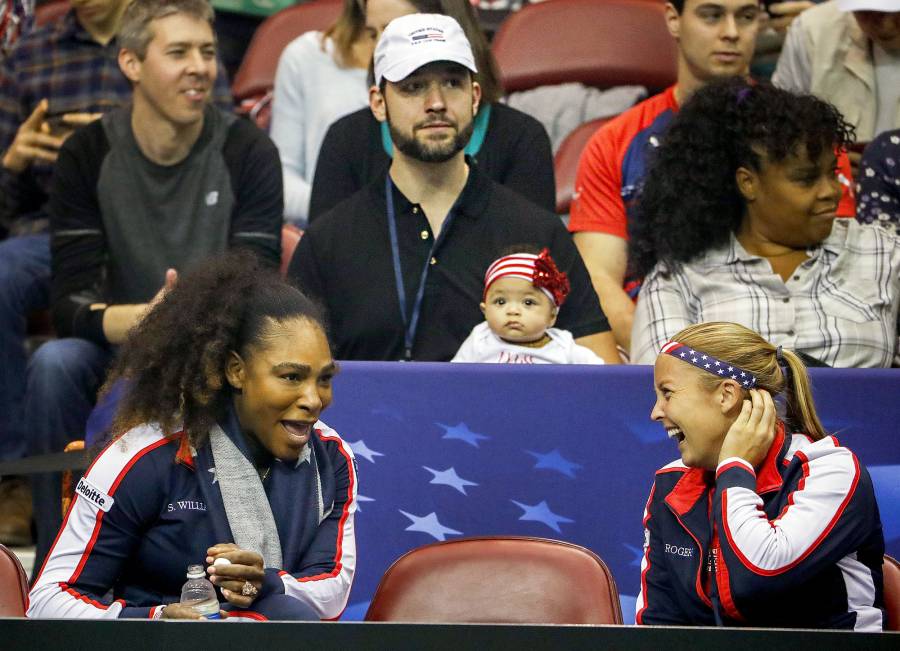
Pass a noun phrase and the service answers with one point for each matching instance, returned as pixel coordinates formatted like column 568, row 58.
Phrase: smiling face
column 716, row 38
column 517, row 311
column 284, row 385
column 431, row 112
column 791, row 202
column 174, row 80
column 694, row 416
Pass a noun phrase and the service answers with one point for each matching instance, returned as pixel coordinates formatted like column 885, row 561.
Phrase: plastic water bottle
column 199, row 593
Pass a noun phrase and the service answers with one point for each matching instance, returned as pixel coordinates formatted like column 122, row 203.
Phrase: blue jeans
column 24, row 288
column 62, row 382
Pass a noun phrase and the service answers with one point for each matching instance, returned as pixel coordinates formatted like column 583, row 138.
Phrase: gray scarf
column 246, row 505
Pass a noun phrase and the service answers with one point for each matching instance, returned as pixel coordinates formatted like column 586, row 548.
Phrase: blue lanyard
column 410, row 325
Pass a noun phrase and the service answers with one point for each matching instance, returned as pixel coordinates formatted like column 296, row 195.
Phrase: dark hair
column 174, row 360
column 462, row 11
column 533, row 249
column 690, row 201
column 678, row 4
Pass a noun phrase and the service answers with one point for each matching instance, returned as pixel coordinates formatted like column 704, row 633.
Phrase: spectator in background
column 878, row 190
column 149, row 189
column 415, row 294
column 321, row 77
column 736, row 222
column 509, row 146
column 778, row 17
column 714, row 39
column 55, row 79
column 848, row 53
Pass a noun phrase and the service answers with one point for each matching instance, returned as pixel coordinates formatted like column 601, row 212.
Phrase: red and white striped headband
column 708, row 363
column 539, row 270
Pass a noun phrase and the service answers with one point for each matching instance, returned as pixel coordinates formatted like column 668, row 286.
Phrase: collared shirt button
column 786, row 299
column 790, row 333
column 424, row 235
column 433, row 261
column 797, row 277
column 415, row 210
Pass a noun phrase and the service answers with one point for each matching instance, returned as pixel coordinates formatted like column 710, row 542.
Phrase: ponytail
column 801, row 411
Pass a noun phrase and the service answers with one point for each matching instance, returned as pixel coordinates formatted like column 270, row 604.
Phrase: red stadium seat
column 891, row 569
column 47, row 12
column 565, row 163
column 600, row 44
column 255, row 78
column 512, row 579
column 290, row 238
column 13, row 585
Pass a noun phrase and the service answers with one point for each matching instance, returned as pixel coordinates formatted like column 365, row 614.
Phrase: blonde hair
column 346, row 30
column 745, row 348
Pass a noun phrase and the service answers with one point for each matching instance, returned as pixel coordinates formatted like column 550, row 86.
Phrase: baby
column 522, row 296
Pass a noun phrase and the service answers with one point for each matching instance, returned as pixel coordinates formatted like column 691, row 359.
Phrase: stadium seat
column 253, row 83
column 13, row 585
column 891, row 569
column 498, row 580
column 600, row 44
column 47, row 12
column 565, row 162
column 290, row 238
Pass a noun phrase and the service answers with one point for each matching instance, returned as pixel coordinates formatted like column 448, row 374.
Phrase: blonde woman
column 766, row 519
column 321, row 77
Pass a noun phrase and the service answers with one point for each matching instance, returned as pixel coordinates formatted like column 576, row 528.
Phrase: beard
column 429, row 152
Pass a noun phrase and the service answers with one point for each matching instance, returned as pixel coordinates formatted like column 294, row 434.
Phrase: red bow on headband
column 547, row 276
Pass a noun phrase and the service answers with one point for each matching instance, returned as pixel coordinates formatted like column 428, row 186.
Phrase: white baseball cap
column 415, row 40
column 885, row 6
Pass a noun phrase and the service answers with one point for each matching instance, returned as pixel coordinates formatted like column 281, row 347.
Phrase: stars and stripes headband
column 539, row 270
column 708, row 363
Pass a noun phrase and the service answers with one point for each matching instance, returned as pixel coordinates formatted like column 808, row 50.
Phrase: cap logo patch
column 427, row 35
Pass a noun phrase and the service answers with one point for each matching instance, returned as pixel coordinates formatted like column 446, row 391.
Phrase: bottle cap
column 195, row 572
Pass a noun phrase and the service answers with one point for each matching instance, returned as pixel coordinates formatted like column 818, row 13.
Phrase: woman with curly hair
column 218, row 459
column 736, row 222
column 766, row 519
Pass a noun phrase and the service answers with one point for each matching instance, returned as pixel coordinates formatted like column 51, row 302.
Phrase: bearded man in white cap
column 848, row 53
column 399, row 265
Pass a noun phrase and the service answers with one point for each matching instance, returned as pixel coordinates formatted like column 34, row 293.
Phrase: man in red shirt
column 716, row 38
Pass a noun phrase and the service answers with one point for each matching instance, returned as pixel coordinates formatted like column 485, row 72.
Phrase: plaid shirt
column 62, row 62
column 839, row 306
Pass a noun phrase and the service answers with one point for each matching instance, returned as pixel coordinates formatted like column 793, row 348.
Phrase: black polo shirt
column 344, row 261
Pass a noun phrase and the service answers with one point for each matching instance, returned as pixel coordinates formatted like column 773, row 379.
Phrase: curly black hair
column 690, row 201
column 173, row 362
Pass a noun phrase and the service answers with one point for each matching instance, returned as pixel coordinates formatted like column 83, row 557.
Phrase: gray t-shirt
column 120, row 220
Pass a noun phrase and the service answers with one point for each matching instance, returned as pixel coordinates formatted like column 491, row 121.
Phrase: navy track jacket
column 799, row 545
column 139, row 518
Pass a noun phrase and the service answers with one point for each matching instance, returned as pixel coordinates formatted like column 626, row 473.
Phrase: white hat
column 886, row 6
column 415, row 40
